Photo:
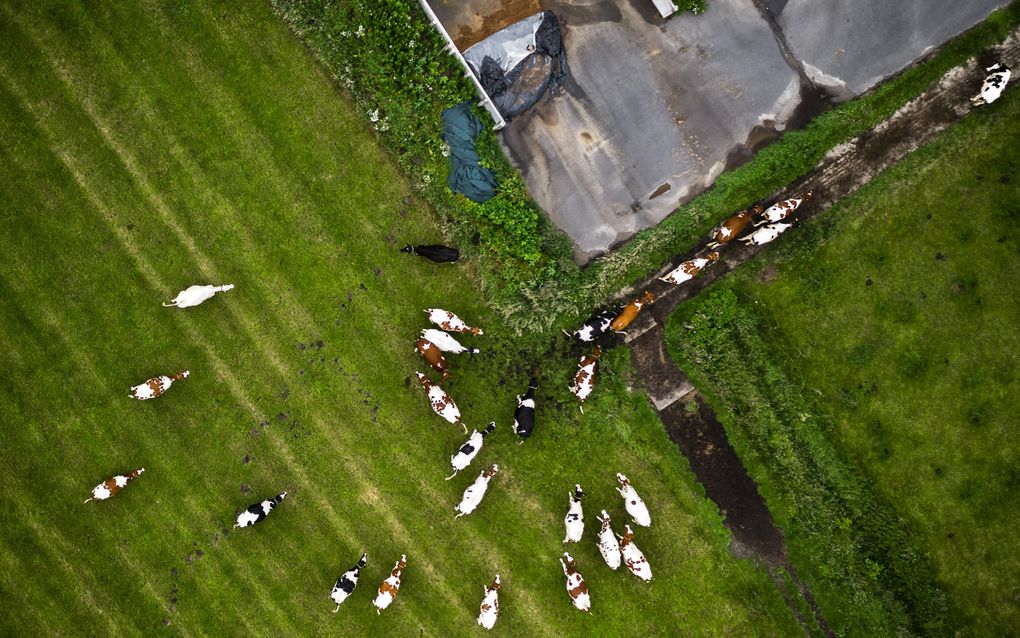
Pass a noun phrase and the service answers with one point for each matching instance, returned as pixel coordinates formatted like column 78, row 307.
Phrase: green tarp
column 460, row 128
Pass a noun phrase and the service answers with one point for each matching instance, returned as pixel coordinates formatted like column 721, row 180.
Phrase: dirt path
column 688, row 420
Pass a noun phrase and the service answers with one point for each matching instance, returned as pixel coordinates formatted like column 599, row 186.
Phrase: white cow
column 574, row 520
column 156, row 386
column 781, row 210
column 635, row 506
column 445, row 342
column 609, row 546
column 632, row 556
column 474, row 493
column 345, row 585
column 449, row 321
column 576, row 587
column 764, row 235
column 489, row 612
column 194, row 295
column 390, row 587
column 994, row 84
column 467, row 452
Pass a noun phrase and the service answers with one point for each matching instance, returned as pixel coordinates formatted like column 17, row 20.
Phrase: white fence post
column 452, row 48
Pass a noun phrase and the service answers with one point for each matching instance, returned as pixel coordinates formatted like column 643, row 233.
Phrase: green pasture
column 867, row 367
column 147, row 146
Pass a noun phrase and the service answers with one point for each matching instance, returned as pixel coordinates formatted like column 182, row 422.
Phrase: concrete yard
column 656, row 109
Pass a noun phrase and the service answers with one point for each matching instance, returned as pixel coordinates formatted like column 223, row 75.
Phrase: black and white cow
column 524, row 415
column 594, row 327
column 467, row 452
column 994, row 84
column 256, row 512
column 345, row 585
column 435, row 252
column 574, row 520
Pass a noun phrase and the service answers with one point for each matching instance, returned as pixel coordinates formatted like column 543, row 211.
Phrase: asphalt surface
column 656, row 109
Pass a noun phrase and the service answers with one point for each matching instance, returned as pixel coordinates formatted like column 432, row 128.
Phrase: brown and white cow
column 434, row 357
column 194, row 295
column 608, row 544
column 449, row 321
column 390, row 587
column 689, row 269
column 475, row 492
column 764, row 235
column 576, row 587
column 630, row 311
column 635, row 506
column 729, row 229
column 112, row 485
column 441, row 402
column 633, row 558
column 489, row 611
column 584, row 380
column 781, row 210
column 156, row 386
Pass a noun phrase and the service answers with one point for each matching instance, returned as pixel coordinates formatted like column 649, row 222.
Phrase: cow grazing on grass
column 608, row 544
column 445, row 342
column 390, row 587
column 630, row 312
column 475, row 492
column 576, row 587
column 689, row 269
column 524, row 415
column 467, row 452
column 257, row 512
column 633, row 558
column 574, row 520
column 194, row 295
column 764, row 235
column 593, row 328
column 994, row 84
column 489, row 611
column 441, row 402
column 781, row 210
column 729, row 229
column 156, row 386
column 345, row 585
column 449, row 321
column 584, row 380
column 436, row 252
column 635, row 506
column 434, row 357
column 112, row 485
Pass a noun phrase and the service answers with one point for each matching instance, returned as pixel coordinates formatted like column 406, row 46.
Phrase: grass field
column 884, row 334
column 148, row 146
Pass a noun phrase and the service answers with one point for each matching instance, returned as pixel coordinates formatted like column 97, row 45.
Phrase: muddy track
column 688, row 420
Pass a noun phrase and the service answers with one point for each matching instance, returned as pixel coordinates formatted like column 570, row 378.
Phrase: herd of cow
column 432, row 344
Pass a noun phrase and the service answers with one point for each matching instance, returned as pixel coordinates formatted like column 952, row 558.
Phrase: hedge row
column 853, row 551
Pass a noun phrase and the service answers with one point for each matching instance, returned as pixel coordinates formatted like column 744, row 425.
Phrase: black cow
column 524, row 415
column 436, row 252
column 345, row 585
